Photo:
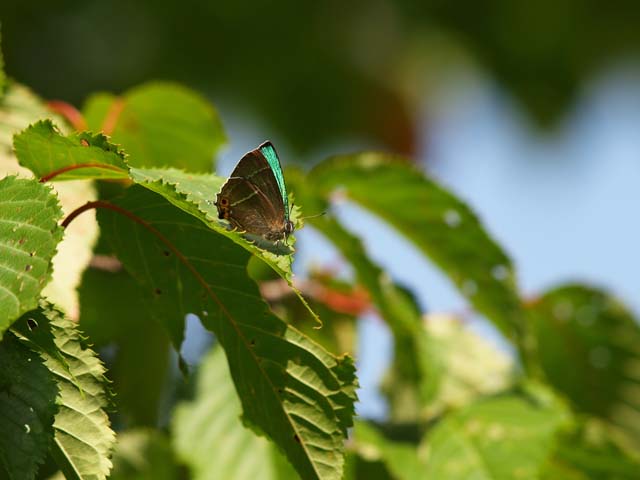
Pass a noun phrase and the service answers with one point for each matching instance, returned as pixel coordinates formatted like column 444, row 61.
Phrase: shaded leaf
column 29, row 233
column 400, row 458
column 439, row 224
column 290, row 388
column 83, row 437
column 589, row 350
column 499, row 438
column 143, row 454
column 27, row 406
column 590, row 453
column 209, row 436
column 49, row 154
column 160, row 124
column 325, row 294
column 113, row 313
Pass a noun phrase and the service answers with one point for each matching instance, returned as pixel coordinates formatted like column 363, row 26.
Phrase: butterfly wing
column 251, row 200
column 258, row 168
column 269, row 153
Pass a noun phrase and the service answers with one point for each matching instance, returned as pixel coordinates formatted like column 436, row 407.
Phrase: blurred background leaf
column 347, row 70
column 502, row 437
column 144, row 454
column 589, row 349
column 209, row 435
column 135, row 346
column 159, row 125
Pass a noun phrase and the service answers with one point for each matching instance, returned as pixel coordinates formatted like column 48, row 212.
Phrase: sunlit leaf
column 18, row 110
column 471, row 365
column 290, row 388
column 75, row 250
column 29, row 233
column 160, row 125
column 83, row 438
column 209, row 435
column 50, row 155
column 494, row 439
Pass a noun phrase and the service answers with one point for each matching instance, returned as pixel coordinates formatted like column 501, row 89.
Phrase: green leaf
column 144, row 454
column 27, row 406
column 590, row 453
column 494, row 439
column 50, row 155
column 415, row 372
column 160, row 124
column 471, row 366
column 290, row 388
column 439, row 224
column 3, row 77
column 400, row 458
column 29, row 233
column 83, row 438
column 209, row 436
column 19, row 108
column 195, row 194
column 589, row 350
column 113, row 313
column 75, row 251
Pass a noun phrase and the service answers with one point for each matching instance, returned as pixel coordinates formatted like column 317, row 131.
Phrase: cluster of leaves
column 568, row 408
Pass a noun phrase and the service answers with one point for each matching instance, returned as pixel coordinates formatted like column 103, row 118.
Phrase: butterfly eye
column 224, row 202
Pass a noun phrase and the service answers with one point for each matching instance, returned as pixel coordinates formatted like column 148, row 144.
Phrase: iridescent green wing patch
column 274, row 162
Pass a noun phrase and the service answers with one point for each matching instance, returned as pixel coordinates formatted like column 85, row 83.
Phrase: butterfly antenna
column 310, row 216
column 314, row 216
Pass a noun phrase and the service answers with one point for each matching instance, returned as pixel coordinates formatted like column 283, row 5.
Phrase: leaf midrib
column 232, row 321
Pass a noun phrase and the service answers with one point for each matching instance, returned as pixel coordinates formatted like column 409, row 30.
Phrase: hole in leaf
column 252, row 342
column 157, row 291
column 296, row 438
column 166, row 253
column 28, row 267
column 31, row 254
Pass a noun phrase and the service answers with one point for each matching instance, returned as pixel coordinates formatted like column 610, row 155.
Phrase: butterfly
column 254, row 198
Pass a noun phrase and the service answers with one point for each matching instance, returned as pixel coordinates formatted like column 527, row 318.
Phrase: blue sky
column 563, row 203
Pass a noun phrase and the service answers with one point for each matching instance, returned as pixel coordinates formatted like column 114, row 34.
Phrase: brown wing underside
column 248, row 208
column 256, row 169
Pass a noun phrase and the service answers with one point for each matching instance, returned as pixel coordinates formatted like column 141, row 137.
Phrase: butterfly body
column 254, row 199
